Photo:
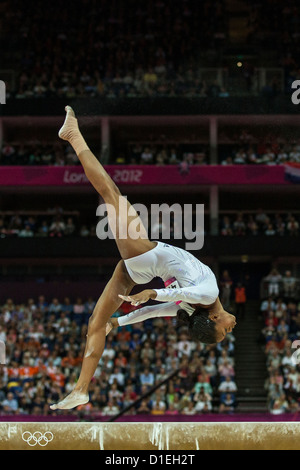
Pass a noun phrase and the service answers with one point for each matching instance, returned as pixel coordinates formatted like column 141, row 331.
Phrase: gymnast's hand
column 140, row 298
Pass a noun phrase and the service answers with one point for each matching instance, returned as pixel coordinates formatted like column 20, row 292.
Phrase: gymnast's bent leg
column 168, row 309
column 120, row 283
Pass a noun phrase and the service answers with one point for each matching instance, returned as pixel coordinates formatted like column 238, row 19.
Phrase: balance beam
column 150, row 436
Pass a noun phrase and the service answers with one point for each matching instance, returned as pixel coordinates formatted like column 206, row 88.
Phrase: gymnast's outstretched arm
column 204, row 294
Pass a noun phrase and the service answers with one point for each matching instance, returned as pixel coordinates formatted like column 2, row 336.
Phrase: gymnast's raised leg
column 120, row 283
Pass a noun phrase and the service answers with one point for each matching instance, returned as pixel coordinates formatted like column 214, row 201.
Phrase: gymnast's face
column 225, row 322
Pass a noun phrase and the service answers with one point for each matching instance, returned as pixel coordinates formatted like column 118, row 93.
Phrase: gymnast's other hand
column 140, row 298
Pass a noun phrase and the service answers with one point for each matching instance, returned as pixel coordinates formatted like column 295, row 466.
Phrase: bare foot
column 70, row 126
column 71, row 401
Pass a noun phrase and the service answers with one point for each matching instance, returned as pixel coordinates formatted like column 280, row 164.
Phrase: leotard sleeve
column 205, row 293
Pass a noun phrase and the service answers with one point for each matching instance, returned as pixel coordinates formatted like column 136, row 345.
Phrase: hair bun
column 183, row 316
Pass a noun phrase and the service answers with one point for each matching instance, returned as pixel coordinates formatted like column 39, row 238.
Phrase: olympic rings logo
column 37, row 438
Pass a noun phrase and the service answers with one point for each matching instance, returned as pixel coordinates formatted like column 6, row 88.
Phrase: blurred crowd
column 54, row 223
column 37, row 153
column 57, row 222
column 280, row 311
column 45, row 342
column 142, row 83
column 259, row 223
column 274, row 28
column 164, row 154
column 151, row 49
column 264, row 155
column 112, row 50
column 61, row 154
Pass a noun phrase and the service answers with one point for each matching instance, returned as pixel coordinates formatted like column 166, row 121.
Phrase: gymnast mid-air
column 191, row 291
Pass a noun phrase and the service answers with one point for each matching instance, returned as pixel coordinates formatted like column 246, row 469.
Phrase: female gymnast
column 190, row 291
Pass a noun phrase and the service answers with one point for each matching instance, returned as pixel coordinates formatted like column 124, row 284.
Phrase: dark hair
column 200, row 327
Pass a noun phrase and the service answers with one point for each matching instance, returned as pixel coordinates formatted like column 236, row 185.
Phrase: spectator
column 10, row 404
column 143, row 408
column 226, row 370
column 274, row 280
column 203, row 382
column 203, row 402
column 89, row 306
column 293, row 226
column 26, row 232
column 211, row 370
column 147, row 352
column 289, row 285
column 239, row 226
column 270, row 230
column 147, row 156
column 240, row 157
column 78, row 311
column 267, row 305
column 8, row 152
column 280, row 309
column 252, row 226
column 261, row 217
column 111, row 409
column 226, row 228
column 57, row 227
column 283, row 328
column 280, row 405
column 185, row 346
column 228, row 385
column 189, row 409
column 226, row 285
column 67, row 307
column 224, row 357
column 227, row 403
column 69, row 227
column 240, row 300
column 287, row 363
column 55, row 307
column 43, row 230
column 271, row 319
column 158, row 408
column 147, row 378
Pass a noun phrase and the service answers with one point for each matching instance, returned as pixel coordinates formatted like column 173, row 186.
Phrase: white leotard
column 190, row 281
